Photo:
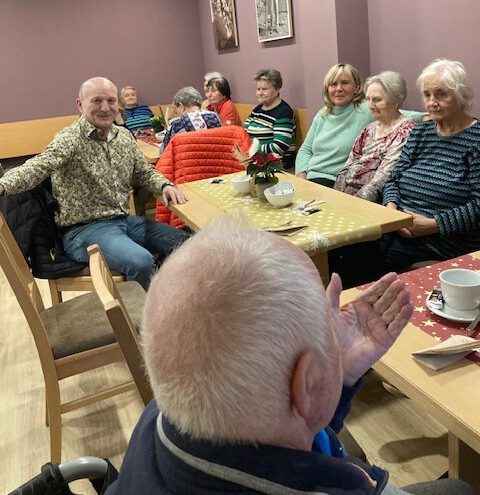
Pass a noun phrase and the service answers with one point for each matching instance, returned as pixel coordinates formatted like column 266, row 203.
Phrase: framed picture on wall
column 274, row 19
column 224, row 23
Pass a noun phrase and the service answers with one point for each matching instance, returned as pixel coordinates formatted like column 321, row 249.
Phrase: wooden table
column 150, row 152
column 451, row 395
column 198, row 211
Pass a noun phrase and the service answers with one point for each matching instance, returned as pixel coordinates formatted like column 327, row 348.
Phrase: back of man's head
column 226, row 319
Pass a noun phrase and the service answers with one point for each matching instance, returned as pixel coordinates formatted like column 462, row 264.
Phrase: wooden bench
column 30, row 137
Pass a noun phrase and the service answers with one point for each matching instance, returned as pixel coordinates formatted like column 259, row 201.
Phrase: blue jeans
column 127, row 243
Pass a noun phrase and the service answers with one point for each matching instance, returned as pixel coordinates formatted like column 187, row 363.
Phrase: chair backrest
column 122, row 326
column 26, row 291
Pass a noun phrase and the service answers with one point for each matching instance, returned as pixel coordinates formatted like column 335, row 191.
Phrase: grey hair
column 188, row 96
column 393, row 84
column 220, row 344
column 211, row 75
column 453, row 75
column 125, row 88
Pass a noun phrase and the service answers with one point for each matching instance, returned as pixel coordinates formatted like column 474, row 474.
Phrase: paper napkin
column 448, row 352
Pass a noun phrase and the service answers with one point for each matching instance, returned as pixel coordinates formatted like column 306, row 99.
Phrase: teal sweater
column 330, row 139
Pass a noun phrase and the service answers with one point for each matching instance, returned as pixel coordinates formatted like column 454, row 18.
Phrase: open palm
column 368, row 326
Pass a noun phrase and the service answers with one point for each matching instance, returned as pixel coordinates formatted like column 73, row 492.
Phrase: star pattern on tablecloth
column 421, row 282
column 419, row 309
column 329, row 227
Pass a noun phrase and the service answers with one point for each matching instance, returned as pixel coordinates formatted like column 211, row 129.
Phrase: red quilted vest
column 191, row 156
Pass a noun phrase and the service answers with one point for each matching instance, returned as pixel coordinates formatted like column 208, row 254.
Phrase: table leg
column 463, row 461
column 320, row 260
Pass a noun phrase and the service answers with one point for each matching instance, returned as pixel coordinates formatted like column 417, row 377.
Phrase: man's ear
column 308, row 388
column 79, row 105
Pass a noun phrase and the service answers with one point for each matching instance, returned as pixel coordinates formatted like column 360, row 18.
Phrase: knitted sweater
column 275, row 129
column 439, row 177
column 138, row 118
column 330, row 139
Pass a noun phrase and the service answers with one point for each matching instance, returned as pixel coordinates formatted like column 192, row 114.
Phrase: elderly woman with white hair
column 187, row 102
column 437, row 177
column 336, row 126
column 378, row 147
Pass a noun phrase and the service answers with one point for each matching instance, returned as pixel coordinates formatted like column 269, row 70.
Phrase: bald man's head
column 98, row 102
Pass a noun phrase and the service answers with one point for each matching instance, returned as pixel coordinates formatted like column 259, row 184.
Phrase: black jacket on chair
column 30, row 216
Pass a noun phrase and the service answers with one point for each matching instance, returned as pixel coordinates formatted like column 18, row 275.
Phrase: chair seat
column 85, row 272
column 81, row 324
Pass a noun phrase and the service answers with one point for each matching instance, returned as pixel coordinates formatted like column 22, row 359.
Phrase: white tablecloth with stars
column 328, row 229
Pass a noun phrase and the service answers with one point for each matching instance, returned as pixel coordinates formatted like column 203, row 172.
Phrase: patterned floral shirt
column 372, row 160
column 91, row 175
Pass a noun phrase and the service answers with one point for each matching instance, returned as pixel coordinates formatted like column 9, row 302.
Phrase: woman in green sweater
column 336, row 126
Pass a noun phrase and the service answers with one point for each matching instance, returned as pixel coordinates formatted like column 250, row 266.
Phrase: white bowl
column 280, row 194
column 242, row 183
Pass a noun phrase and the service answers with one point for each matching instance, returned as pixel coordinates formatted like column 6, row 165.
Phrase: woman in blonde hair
column 336, row 126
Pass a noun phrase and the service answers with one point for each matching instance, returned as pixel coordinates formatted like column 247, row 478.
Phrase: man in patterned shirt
column 93, row 165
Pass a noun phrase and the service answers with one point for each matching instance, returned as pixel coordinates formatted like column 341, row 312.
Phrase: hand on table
column 391, row 205
column 367, row 327
column 302, row 175
column 172, row 194
column 421, row 226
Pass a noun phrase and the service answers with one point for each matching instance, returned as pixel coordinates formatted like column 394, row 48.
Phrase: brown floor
column 391, row 430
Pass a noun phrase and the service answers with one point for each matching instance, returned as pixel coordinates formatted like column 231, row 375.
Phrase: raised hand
column 367, row 327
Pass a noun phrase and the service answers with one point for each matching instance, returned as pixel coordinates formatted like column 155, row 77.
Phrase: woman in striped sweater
column 437, row 178
column 273, row 121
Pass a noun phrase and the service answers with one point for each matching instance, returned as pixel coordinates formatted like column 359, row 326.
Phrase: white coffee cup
column 461, row 288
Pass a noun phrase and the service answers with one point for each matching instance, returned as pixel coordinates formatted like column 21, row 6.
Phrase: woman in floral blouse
column 378, row 147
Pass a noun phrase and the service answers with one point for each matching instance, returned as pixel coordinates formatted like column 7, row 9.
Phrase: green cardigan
column 331, row 137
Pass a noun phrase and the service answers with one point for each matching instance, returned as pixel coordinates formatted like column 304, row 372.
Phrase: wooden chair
column 71, row 337
column 78, row 281
column 122, row 326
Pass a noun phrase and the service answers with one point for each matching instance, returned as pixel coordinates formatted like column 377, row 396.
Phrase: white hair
column 453, row 75
column 392, row 83
column 125, row 89
column 211, row 75
column 226, row 318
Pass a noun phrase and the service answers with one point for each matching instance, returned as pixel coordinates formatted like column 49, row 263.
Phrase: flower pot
column 260, row 188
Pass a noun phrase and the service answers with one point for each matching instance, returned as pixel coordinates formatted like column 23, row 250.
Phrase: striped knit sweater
column 138, row 118
column 439, row 177
column 275, row 129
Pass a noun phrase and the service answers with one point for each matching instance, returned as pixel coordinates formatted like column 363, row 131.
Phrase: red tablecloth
column 420, row 283
column 150, row 140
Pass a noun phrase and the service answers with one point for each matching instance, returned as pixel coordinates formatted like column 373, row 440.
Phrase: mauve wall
column 49, row 47
column 325, row 32
column 352, row 34
column 406, row 36
column 240, row 64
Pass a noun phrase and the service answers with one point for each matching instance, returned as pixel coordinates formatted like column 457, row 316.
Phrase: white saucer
column 464, row 316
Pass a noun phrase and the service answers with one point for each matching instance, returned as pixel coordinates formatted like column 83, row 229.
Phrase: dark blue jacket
column 173, row 463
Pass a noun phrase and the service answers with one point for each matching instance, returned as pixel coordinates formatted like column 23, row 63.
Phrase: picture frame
column 274, row 19
column 224, row 23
